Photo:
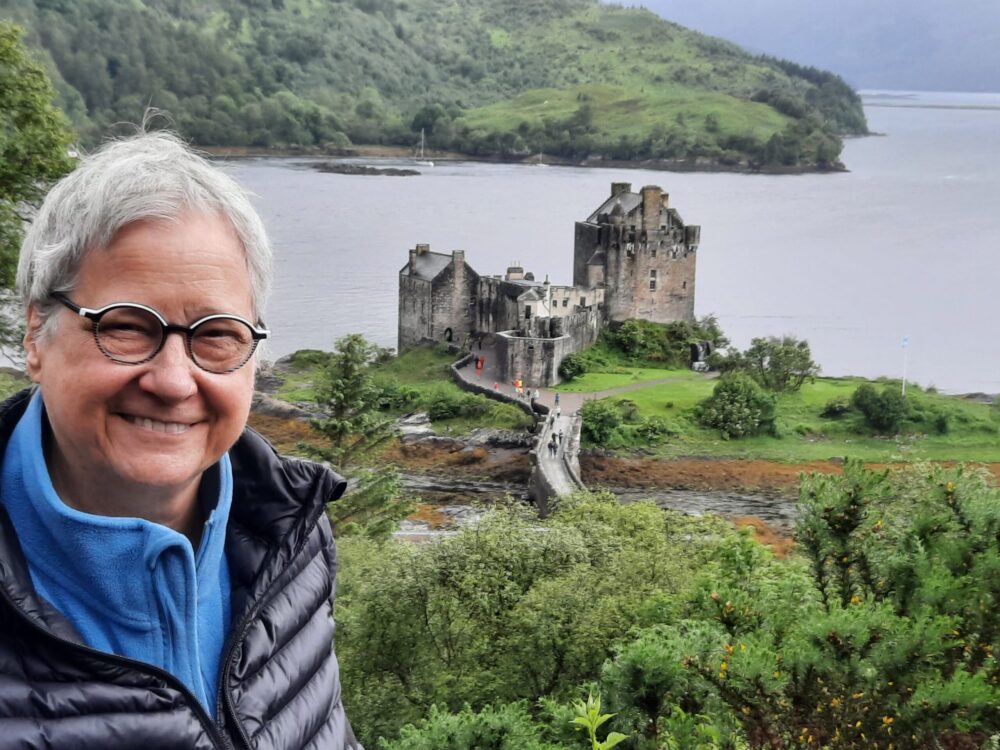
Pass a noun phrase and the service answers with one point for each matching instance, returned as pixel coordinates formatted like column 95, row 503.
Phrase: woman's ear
column 33, row 359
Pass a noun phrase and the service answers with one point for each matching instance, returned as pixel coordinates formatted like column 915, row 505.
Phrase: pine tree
column 348, row 399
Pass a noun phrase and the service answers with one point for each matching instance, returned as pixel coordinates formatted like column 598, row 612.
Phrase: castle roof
column 629, row 203
column 427, row 265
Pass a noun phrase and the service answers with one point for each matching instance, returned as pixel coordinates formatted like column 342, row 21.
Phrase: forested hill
column 509, row 78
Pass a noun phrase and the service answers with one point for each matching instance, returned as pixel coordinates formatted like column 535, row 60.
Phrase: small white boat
column 421, row 161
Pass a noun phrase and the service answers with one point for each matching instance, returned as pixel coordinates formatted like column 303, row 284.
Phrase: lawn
column 971, row 430
column 618, row 377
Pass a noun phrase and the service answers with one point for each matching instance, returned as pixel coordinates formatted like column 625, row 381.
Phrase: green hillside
column 507, row 78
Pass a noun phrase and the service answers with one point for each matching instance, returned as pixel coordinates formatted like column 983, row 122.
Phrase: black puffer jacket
column 279, row 683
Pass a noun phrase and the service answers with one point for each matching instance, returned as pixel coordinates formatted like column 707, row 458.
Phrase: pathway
column 557, row 473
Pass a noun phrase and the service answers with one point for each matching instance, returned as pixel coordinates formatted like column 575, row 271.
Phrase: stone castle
column 633, row 257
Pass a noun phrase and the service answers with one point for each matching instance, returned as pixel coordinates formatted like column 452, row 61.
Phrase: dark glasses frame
column 94, row 315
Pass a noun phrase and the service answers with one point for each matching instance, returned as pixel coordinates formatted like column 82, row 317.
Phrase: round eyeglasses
column 131, row 334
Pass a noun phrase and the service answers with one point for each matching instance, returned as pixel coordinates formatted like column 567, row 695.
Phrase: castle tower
column 642, row 252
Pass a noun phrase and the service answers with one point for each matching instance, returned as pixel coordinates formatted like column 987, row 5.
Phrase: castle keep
column 633, row 257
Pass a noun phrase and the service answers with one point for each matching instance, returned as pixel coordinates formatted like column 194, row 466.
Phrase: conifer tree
column 348, row 398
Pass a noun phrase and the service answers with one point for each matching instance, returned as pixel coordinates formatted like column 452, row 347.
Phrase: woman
column 166, row 579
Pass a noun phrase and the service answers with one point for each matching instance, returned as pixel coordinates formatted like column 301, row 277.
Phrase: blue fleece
column 130, row 587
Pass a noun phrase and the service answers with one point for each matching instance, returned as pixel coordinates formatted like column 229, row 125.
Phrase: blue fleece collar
column 130, row 587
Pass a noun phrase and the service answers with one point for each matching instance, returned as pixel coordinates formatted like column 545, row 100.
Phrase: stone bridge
column 552, row 475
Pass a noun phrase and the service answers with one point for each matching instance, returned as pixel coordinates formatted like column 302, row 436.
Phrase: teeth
column 172, row 428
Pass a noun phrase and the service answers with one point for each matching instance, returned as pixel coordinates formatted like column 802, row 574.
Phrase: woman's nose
column 170, row 374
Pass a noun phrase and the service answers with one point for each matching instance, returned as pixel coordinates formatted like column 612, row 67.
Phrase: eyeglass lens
column 132, row 335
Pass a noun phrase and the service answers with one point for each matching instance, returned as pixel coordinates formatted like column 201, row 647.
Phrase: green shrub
column 629, row 411
column 601, row 419
column 836, row 408
column 448, row 404
column 396, row 396
column 883, row 410
column 505, row 727
column 656, row 429
column 738, row 407
column 572, row 366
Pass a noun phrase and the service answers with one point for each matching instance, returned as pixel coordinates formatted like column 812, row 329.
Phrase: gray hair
column 149, row 176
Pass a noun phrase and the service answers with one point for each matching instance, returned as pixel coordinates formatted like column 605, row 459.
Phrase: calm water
column 905, row 244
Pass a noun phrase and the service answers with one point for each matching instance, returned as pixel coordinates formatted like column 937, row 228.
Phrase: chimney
column 413, row 258
column 618, row 188
column 652, row 203
column 423, row 248
column 666, row 201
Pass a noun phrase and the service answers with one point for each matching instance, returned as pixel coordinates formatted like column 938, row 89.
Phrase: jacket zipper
column 214, row 734
column 224, row 695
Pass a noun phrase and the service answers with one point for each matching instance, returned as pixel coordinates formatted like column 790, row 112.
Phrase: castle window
column 583, row 301
column 566, row 302
column 652, row 280
column 684, row 285
column 652, row 251
column 527, row 312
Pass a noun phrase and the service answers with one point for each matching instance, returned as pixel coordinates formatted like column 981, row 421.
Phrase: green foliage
column 515, row 609
column 600, row 420
column 666, row 345
column 737, row 407
column 589, row 719
column 349, row 398
column 883, row 410
column 506, row 727
column 884, row 632
column 778, row 364
column 572, row 366
column 836, row 408
column 33, row 154
column 569, row 78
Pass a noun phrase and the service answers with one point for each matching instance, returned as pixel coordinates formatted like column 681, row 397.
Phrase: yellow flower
column 855, row 599
column 887, row 720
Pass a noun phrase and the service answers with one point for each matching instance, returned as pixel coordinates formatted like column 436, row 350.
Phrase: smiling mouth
column 154, row 425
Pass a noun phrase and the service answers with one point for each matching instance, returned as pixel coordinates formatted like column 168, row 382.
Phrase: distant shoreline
column 398, row 152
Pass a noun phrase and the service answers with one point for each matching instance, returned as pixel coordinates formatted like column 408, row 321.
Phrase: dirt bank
column 713, row 474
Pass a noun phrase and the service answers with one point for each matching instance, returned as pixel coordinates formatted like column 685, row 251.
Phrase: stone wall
column 586, row 241
column 534, row 352
column 414, row 312
column 496, row 305
column 453, row 300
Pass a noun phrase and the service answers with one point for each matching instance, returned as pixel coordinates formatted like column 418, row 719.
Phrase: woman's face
column 159, row 425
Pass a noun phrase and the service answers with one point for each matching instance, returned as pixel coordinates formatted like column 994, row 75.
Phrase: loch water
column 905, row 244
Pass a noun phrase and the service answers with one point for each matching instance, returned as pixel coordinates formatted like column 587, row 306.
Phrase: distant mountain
column 501, row 78
column 893, row 44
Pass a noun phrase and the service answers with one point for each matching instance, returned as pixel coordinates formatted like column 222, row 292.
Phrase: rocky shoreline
column 600, row 162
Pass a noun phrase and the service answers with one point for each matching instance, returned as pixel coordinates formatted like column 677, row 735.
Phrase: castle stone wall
column 535, row 352
column 453, row 302
column 414, row 312
column 496, row 305
column 586, row 240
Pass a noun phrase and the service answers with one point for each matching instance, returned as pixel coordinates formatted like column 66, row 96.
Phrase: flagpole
column 906, row 345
